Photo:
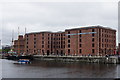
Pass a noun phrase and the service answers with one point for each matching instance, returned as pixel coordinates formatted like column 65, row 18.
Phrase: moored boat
column 25, row 61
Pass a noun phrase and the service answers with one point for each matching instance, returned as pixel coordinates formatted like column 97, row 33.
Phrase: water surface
column 50, row 69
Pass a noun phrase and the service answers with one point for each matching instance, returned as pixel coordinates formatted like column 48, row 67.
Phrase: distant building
column 19, row 45
column 94, row 40
column 6, row 48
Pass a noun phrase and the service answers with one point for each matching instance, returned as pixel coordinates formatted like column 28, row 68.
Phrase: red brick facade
column 119, row 48
column 45, row 43
column 90, row 41
column 95, row 40
column 19, row 45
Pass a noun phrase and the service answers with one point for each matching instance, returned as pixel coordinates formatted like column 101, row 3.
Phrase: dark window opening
column 93, row 45
column 42, row 42
column 68, row 32
column 68, row 36
column 80, row 40
column 79, row 31
column 68, row 45
column 68, row 50
column 93, row 30
column 93, row 35
column 93, row 51
column 93, row 39
column 42, row 46
column 80, row 45
column 80, row 35
column 68, row 41
column 80, row 50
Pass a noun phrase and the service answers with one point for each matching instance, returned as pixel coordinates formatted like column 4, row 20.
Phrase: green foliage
column 5, row 50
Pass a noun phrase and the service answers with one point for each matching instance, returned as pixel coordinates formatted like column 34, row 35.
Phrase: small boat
column 25, row 61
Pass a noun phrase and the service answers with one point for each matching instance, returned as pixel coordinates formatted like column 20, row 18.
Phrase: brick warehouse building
column 45, row 42
column 19, row 45
column 94, row 40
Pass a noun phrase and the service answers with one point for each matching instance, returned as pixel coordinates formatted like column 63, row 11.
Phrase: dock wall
column 89, row 59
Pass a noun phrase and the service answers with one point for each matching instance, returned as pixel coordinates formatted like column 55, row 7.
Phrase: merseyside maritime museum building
column 93, row 40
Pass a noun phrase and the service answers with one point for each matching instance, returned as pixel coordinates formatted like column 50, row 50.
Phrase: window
column 99, row 39
column 27, row 46
column 99, row 44
column 93, row 35
column 93, row 39
column 80, row 35
column 93, row 45
column 34, row 42
column 34, row 46
column 79, row 31
column 42, row 46
column 80, row 45
column 48, row 46
column 42, row 42
column 93, row 51
column 42, row 51
column 34, row 38
column 68, row 45
column 102, row 40
column 93, row 30
column 69, row 32
column 80, row 40
column 42, row 34
column 68, row 41
column 80, row 50
column 68, row 36
column 102, row 45
column 68, row 50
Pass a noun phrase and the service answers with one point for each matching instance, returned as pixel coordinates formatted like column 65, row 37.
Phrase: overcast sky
column 54, row 16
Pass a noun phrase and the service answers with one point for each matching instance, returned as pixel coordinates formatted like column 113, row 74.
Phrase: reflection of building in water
column 94, row 40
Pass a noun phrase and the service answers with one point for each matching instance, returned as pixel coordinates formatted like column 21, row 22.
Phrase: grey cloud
column 57, row 16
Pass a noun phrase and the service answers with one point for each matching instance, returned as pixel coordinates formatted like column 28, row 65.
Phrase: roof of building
column 89, row 27
column 44, row 32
